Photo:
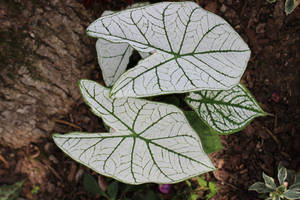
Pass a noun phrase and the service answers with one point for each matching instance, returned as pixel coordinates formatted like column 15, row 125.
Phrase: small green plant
column 289, row 185
column 208, row 187
column 289, row 6
column 184, row 49
column 10, row 192
column 35, row 190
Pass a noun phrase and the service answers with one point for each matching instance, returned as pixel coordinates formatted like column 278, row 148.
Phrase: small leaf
column 269, row 181
column 213, row 190
column 290, row 177
column 289, row 6
column 202, row 182
column 112, row 190
column 153, row 141
column 282, row 175
column 10, row 192
column 260, row 187
column 90, row 185
column 226, row 111
column 291, row 194
column 193, row 197
column 297, row 178
column 209, row 138
column 295, row 186
column 188, row 183
column 193, row 49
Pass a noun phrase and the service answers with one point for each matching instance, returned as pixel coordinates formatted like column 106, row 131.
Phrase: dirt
column 272, row 76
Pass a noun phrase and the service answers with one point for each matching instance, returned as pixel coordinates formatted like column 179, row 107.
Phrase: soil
column 272, row 75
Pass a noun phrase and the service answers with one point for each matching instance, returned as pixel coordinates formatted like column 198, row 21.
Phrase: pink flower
column 275, row 97
column 165, row 188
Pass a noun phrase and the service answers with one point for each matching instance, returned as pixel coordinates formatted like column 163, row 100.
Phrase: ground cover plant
column 185, row 49
column 289, row 185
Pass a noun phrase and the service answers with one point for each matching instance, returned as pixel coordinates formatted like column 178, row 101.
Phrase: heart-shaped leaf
column 193, row 49
column 226, row 111
column 153, row 141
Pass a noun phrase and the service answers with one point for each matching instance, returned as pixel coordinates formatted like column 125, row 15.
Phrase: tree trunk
column 44, row 52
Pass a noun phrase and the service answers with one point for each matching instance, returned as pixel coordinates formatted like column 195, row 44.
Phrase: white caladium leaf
column 226, row 111
column 153, row 141
column 113, row 58
column 193, row 49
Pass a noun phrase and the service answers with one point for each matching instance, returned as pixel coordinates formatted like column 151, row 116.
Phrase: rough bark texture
column 44, row 52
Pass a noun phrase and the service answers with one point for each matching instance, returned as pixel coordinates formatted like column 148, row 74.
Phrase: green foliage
column 289, row 5
column 10, row 192
column 208, row 188
column 35, row 190
column 90, row 185
column 289, row 185
column 209, row 137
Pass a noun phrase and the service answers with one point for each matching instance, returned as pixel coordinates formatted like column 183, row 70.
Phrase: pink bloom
column 275, row 97
column 165, row 188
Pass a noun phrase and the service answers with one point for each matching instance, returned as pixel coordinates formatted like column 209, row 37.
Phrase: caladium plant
column 184, row 49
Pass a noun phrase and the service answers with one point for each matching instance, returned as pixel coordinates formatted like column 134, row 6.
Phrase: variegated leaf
column 113, row 58
column 226, row 111
column 193, row 49
column 153, row 141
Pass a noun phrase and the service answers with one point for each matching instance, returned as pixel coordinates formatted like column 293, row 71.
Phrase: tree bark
column 44, row 52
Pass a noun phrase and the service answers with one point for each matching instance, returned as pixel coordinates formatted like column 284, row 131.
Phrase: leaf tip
column 55, row 135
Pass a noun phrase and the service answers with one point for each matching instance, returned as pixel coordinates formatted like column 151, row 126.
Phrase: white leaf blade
column 113, row 59
column 225, row 111
column 193, row 39
column 144, row 55
column 153, row 142
column 162, row 74
column 193, row 36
